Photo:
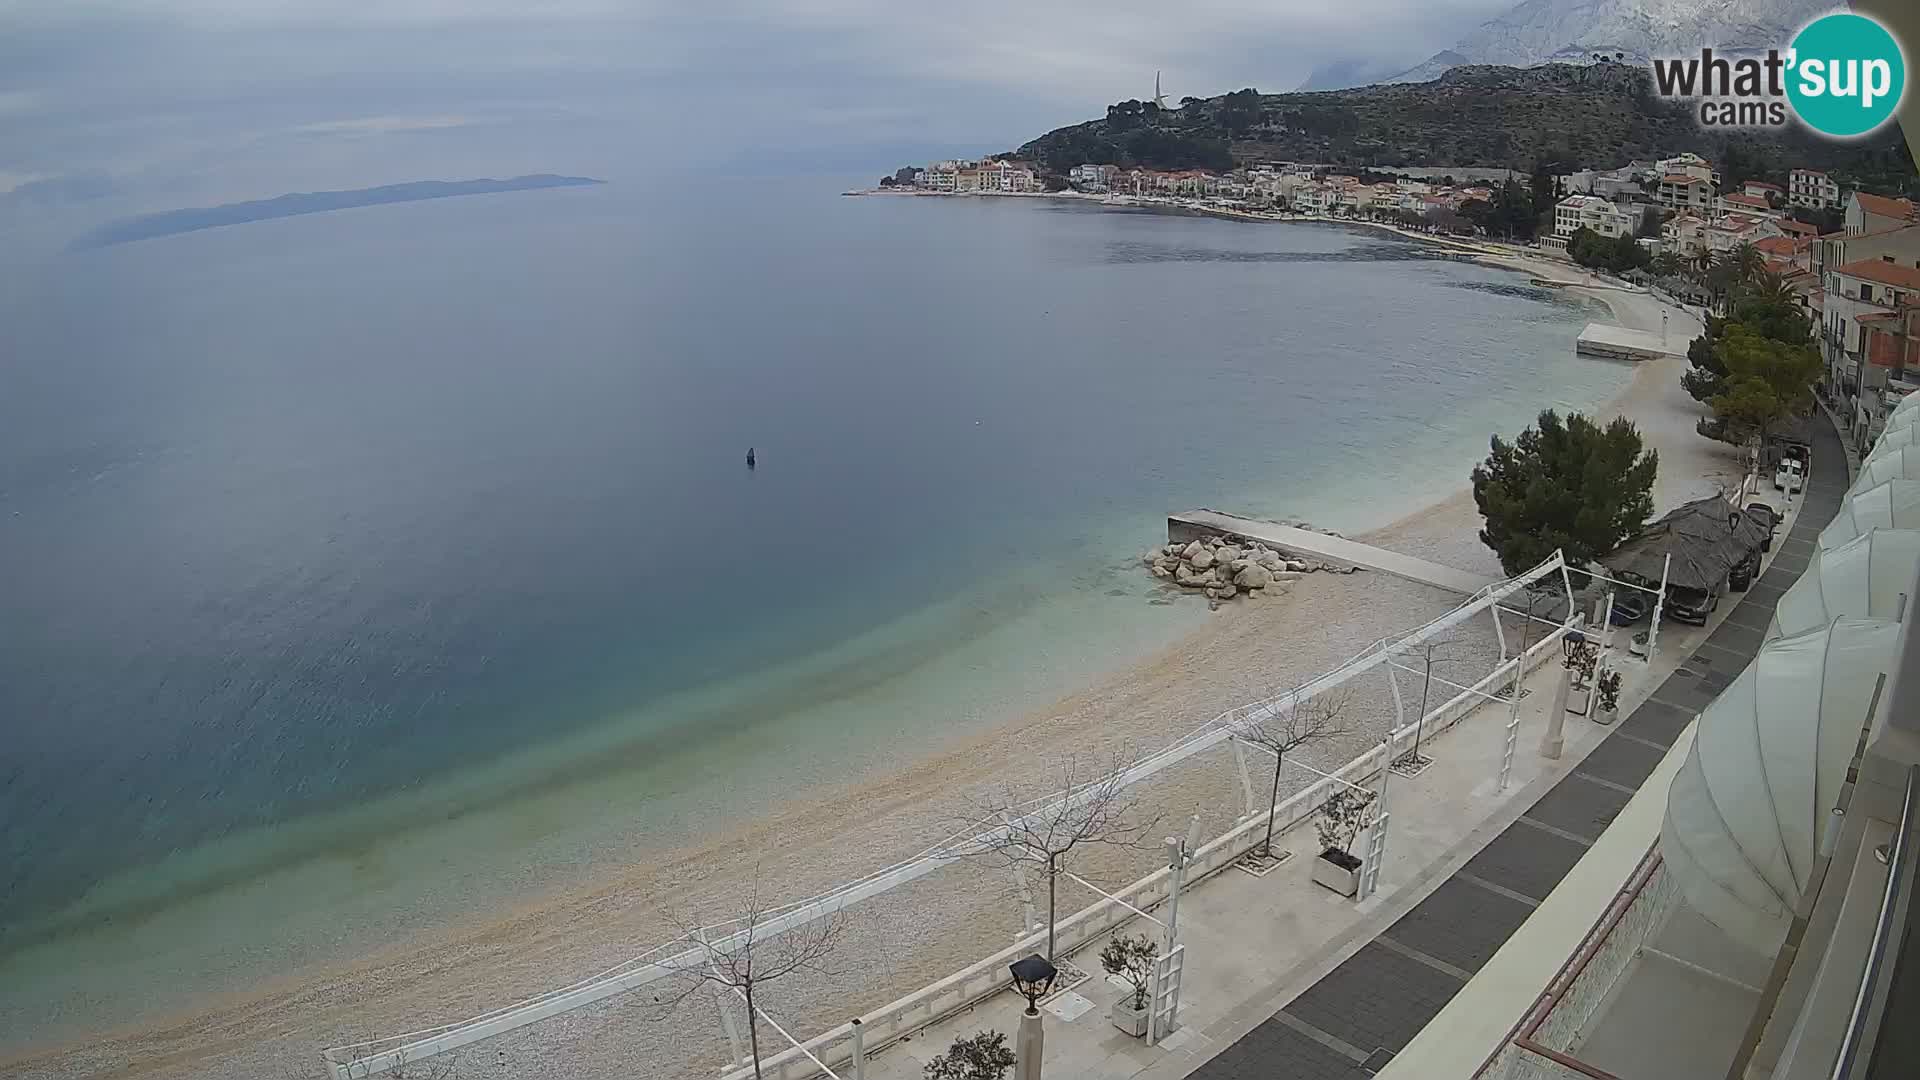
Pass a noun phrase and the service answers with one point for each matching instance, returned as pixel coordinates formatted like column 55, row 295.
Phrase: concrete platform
column 1611, row 342
column 1320, row 547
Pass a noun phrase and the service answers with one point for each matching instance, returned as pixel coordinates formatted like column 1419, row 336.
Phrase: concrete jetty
column 1320, row 547
column 1619, row 343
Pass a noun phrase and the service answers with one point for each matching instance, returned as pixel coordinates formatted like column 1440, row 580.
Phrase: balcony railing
column 1870, row 1001
column 1541, row 1045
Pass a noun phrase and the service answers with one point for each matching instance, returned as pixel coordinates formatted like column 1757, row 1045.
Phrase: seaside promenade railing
column 934, row 1002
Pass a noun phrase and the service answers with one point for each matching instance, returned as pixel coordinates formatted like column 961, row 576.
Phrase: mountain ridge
column 1564, row 116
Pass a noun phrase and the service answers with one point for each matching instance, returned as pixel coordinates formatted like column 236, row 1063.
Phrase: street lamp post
column 1032, row 977
column 1554, row 742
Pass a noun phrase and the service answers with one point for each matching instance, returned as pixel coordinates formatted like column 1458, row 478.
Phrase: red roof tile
column 1886, row 273
column 1881, row 206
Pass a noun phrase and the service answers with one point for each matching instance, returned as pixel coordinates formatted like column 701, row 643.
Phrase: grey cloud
column 267, row 92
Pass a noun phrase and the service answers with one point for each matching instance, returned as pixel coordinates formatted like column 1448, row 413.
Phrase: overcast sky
column 172, row 101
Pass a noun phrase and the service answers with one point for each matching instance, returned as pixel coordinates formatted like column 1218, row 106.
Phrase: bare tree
column 1435, row 652
column 743, row 956
column 1088, row 807
column 1288, row 725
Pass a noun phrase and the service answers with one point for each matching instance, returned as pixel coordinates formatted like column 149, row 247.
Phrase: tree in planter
column 1568, row 485
column 1581, row 662
column 746, row 958
column 1132, row 959
column 983, row 1055
column 1339, row 825
column 1285, row 728
column 1608, row 687
column 1434, row 652
column 1085, row 810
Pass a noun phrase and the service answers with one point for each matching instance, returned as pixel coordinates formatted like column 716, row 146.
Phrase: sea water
column 367, row 568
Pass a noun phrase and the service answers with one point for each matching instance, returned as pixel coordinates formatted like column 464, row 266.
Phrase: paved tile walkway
column 1351, row 1023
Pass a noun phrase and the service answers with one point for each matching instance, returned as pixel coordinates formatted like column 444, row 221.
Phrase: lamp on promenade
column 1555, row 739
column 1032, row 977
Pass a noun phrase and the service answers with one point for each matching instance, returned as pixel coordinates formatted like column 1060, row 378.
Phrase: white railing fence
column 935, row 1002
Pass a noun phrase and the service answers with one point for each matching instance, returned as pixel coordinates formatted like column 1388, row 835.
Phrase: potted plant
column 983, row 1055
column 1132, row 959
column 1608, row 687
column 1339, row 825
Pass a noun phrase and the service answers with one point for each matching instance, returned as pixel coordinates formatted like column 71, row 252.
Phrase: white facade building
column 1812, row 188
column 1590, row 212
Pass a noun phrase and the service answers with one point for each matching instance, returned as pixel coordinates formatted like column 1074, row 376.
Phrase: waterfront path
column 1320, row 547
column 1350, row 1023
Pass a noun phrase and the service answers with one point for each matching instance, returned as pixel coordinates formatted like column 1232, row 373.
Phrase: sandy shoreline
column 1246, row 651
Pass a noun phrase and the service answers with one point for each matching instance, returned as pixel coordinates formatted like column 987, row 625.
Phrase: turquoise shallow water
column 369, row 566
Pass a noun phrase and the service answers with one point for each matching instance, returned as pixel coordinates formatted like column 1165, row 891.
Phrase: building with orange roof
column 1856, row 294
column 1684, row 191
column 1744, row 203
column 1868, row 213
column 1791, row 251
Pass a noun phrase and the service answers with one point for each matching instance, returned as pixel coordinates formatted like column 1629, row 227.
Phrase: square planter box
column 1337, row 876
column 1128, row 1019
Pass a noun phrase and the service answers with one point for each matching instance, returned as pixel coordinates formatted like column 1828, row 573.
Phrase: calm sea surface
column 361, row 565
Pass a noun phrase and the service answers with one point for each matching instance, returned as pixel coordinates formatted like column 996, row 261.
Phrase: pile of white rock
column 1226, row 568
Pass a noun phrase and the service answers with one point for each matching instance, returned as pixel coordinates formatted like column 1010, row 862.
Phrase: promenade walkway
column 1350, row 1023
column 1320, row 547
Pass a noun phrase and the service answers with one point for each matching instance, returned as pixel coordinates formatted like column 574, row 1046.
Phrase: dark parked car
column 1691, row 605
column 1765, row 515
column 1630, row 606
column 1741, row 576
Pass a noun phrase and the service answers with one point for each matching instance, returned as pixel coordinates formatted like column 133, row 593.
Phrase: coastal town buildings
column 1869, row 284
column 1591, row 212
column 1094, row 178
column 976, row 176
column 1745, row 202
column 1684, row 191
column 1733, row 230
column 1684, row 234
column 1812, row 189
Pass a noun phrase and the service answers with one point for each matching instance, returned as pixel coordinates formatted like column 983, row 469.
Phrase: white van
column 1791, row 476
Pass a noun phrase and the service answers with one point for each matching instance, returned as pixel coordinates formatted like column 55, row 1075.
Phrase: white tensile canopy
column 1897, row 419
column 1747, row 810
column 1894, row 438
column 1907, row 405
column 1868, row 575
column 1891, row 505
column 1898, row 463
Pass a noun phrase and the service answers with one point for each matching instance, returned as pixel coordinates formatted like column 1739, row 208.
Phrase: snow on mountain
column 1545, row 31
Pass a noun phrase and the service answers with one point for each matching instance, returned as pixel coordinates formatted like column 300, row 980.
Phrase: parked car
column 1790, row 476
column 1692, row 606
column 1741, row 576
column 1768, row 516
column 1630, row 606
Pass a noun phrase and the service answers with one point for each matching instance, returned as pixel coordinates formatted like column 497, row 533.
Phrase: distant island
column 169, row 222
